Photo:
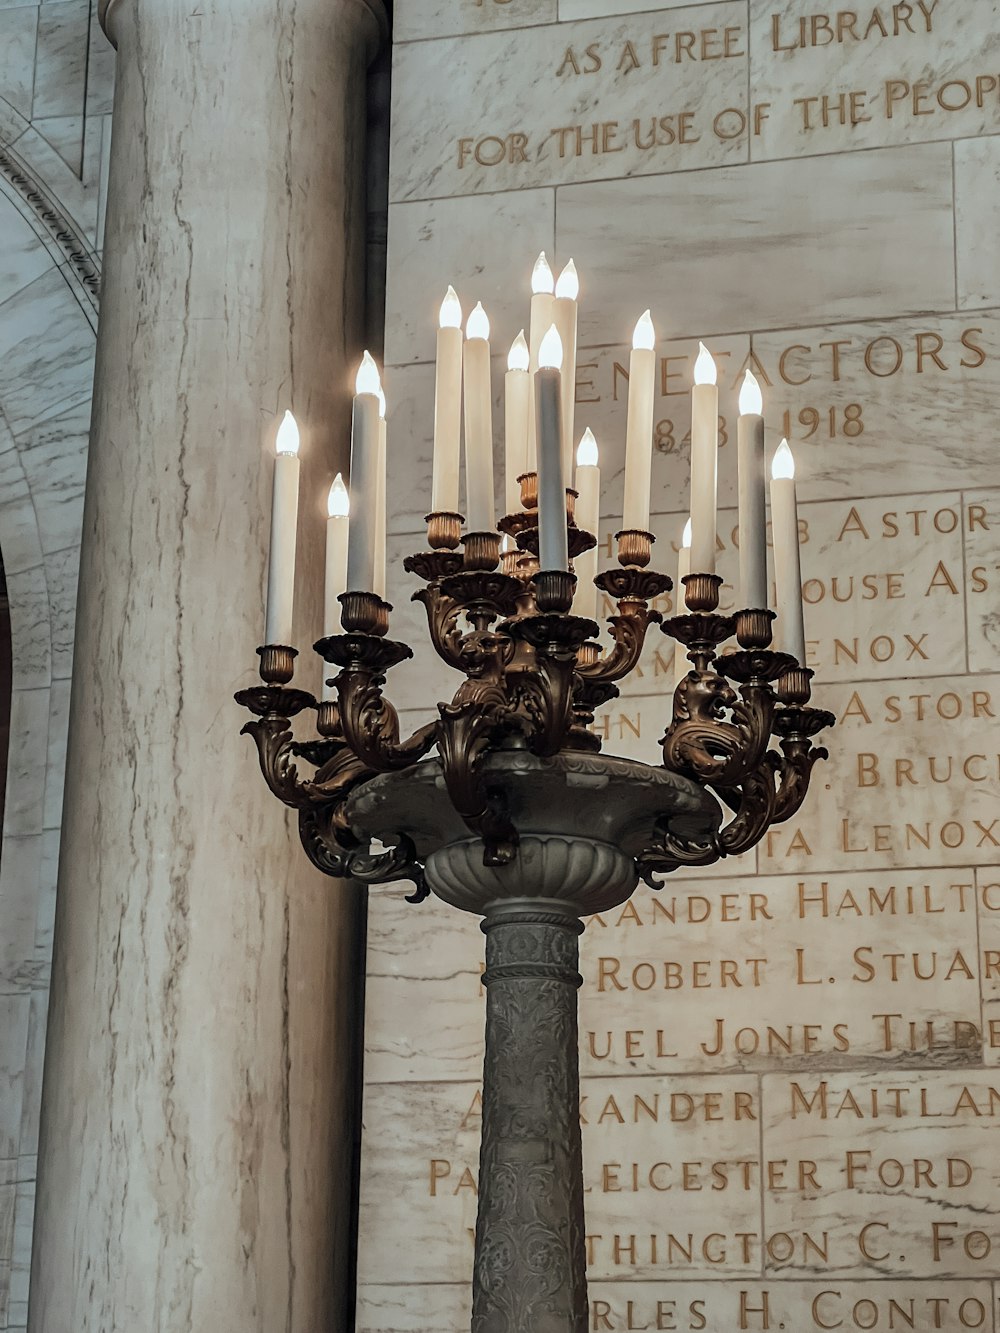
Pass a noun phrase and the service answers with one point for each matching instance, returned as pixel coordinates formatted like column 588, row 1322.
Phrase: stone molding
column 106, row 11
column 83, row 262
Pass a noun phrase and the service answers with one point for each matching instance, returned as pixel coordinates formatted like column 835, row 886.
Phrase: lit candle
column 378, row 577
column 564, row 318
column 553, row 545
column 364, row 479
column 753, row 490
column 681, row 663
column 517, row 399
column 543, row 309
column 639, row 426
column 284, row 518
column 480, row 515
column 704, row 462
column 588, row 517
column 447, row 406
column 338, row 506
column 790, row 635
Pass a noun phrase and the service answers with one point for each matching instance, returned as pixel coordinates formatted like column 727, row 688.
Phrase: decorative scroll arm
column 273, row 708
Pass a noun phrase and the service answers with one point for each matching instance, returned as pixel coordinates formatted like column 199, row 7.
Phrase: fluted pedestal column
column 581, row 818
column 530, row 1260
column 199, row 1109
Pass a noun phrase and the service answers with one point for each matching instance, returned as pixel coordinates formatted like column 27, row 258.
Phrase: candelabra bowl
column 581, row 820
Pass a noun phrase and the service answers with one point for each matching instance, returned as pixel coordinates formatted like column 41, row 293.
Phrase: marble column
column 199, row 1108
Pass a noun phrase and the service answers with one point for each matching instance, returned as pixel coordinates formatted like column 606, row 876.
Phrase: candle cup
column 364, row 613
column 554, row 590
column 794, row 686
column 588, row 654
column 277, row 663
column 444, row 530
column 753, row 627
column 328, row 718
column 701, row 591
column 634, row 547
column 529, row 490
column 482, row 550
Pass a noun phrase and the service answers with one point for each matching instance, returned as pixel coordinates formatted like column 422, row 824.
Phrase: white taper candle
column 682, row 664
column 447, row 407
column 553, row 544
column 480, row 506
column 378, row 574
column 790, row 635
column 753, row 494
column 364, row 479
column 517, row 400
column 284, row 520
column 565, row 308
column 704, row 462
column 543, row 304
column 639, row 426
column 588, row 517
column 338, row 505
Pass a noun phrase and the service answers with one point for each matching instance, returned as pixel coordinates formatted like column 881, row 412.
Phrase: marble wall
column 56, row 72
column 790, row 1092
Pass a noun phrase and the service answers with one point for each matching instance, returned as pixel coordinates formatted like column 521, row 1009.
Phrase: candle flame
column 541, row 276
column 287, row 439
column 518, row 358
column 478, row 325
column 704, row 368
column 368, row 379
column 644, row 335
column 338, row 502
column 569, row 282
column 381, row 402
column 686, row 535
column 783, row 464
column 751, row 398
column 550, row 353
column 450, row 316
column 586, row 450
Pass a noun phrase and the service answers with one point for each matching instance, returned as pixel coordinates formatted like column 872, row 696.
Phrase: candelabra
column 504, row 805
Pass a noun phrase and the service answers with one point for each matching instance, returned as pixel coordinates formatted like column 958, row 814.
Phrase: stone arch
column 48, row 295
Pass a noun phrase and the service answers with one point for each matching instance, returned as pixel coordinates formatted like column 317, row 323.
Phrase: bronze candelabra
column 504, row 805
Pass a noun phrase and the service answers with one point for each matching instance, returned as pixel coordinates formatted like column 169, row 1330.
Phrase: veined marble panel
column 868, row 76
column 982, row 555
column 753, row 248
column 42, row 343
column 61, row 59
column 673, row 1130
column 850, row 397
column 785, row 972
column 977, row 198
column 905, row 1179
column 716, row 1307
column 14, row 1011
column 17, row 55
column 21, row 867
column 425, row 257
column 988, row 906
column 697, row 977
column 911, row 780
column 414, row 19
column 596, row 9
column 571, row 102
column 53, row 456
column 22, row 259
column 409, row 1307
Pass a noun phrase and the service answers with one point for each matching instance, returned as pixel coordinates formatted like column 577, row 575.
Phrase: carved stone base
column 530, row 1266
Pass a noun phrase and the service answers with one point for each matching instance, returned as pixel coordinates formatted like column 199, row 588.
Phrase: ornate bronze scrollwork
column 533, row 675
